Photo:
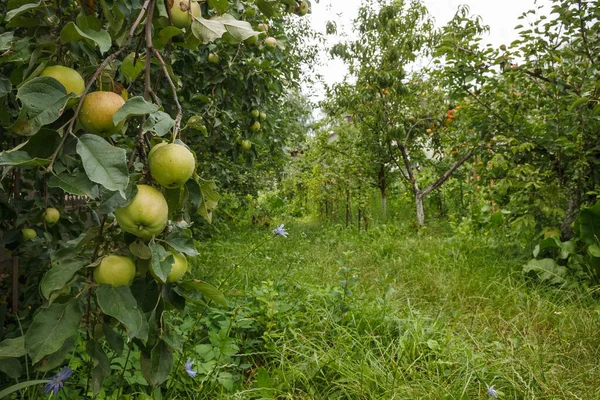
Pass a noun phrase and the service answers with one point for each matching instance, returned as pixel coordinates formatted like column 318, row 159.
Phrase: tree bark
column 573, row 206
column 420, row 210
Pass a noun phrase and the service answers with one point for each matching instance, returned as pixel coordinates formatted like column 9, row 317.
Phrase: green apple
column 246, row 144
column 263, row 115
column 255, row 113
column 69, row 78
column 97, row 112
column 178, row 268
column 252, row 39
column 180, row 12
column 115, row 270
column 28, row 233
column 146, row 215
column 171, row 165
column 270, row 42
column 255, row 126
column 263, row 27
column 303, row 8
column 51, row 215
column 213, row 58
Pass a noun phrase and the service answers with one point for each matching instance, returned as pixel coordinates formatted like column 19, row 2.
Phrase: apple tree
column 103, row 175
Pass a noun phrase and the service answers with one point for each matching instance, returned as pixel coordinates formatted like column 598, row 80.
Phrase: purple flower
column 280, row 231
column 491, row 391
column 56, row 383
column 188, row 368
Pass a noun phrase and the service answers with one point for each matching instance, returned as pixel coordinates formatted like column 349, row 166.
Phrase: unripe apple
column 263, row 27
column 28, row 233
column 115, row 270
column 97, row 112
column 51, row 215
column 263, row 115
column 246, row 144
column 213, row 58
column 270, row 42
column 303, row 8
column 146, row 215
column 69, row 78
column 255, row 126
column 171, row 165
column 255, row 113
column 178, row 268
column 180, row 12
column 252, row 39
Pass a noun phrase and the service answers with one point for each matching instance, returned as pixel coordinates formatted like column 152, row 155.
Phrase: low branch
column 447, row 174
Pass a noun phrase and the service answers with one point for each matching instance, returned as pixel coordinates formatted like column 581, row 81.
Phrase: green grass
column 399, row 314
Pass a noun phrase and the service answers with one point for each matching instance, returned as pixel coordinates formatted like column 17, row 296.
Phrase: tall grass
column 397, row 314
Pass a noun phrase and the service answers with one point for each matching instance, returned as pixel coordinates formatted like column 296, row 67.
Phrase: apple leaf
column 130, row 69
column 103, row 163
column 77, row 184
column 118, row 302
column 162, row 261
column 21, row 159
column 51, row 327
column 210, row 199
column 220, row 5
column 182, row 242
column 157, row 365
column 72, row 32
column 64, row 266
column 101, row 365
column 133, row 107
column 12, row 347
column 209, row 292
column 113, row 200
column 240, row 30
column 159, row 122
column 161, row 40
column 57, row 358
column 19, row 10
column 265, row 7
column 44, row 100
column 207, row 30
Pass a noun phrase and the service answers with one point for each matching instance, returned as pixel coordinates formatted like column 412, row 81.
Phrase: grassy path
column 395, row 314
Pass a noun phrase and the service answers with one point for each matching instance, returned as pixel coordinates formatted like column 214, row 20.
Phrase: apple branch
column 101, row 68
column 447, row 174
column 174, row 90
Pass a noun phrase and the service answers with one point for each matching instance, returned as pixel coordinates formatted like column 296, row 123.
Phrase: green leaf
column 113, row 200
column 50, row 328
column 11, row 367
column 135, row 106
column 164, row 35
column 56, row 359
column 210, row 199
column 220, row 5
column 72, row 32
column 159, row 122
column 131, row 70
column 21, row 159
column 5, row 87
column 182, row 242
column 101, row 365
column 547, row 270
column 579, row 102
column 10, row 348
column 162, row 261
column 265, row 7
column 114, row 339
column 140, row 250
column 19, row 10
column 103, row 163
column 44, row 100
column 208, row 291
column 589, row 224
column 118, row 302
column 21, row 386
column 594, row 250
column 240, row 30
column 63, row 269
column 77, row 184
column 157, row 365
column 207, row 30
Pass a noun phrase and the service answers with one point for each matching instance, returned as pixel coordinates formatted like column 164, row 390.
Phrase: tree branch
column 174, row 90
column 447, row 174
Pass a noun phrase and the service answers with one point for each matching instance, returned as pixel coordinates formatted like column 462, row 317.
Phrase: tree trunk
column 384, row 203
column 573, row 206
column 347, row 207
column 420, row 210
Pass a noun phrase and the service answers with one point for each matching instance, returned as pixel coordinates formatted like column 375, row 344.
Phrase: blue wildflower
column 56, row 383
column 491, row 391
column 280, row 231
column 188, row 368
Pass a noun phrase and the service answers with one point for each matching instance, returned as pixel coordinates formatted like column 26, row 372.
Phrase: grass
column 398, row 314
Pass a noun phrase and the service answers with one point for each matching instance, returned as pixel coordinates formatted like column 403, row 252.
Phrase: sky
column 500, row 15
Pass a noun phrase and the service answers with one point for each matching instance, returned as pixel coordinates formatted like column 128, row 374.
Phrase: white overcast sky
column 500, row 15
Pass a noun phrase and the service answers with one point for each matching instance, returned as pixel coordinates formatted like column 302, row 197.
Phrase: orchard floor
column 398, row 314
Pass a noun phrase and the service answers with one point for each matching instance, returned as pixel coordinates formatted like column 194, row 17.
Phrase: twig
column 174, row 89
column 147, row 82
column 102, row 66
